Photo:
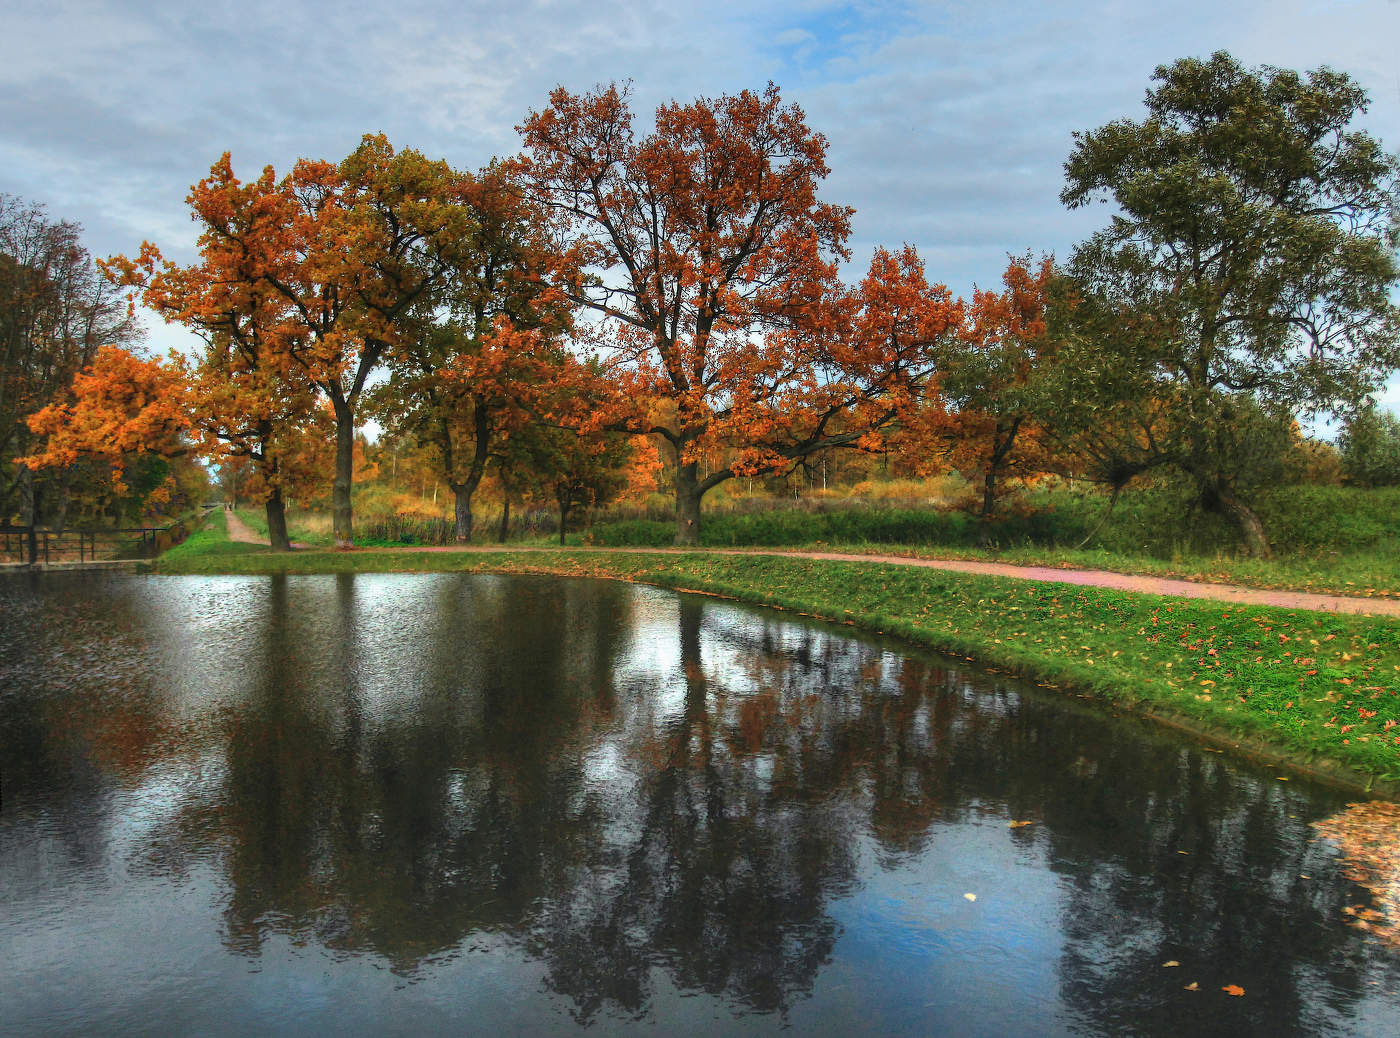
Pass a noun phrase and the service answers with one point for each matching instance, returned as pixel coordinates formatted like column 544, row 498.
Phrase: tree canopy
column 1252, row 253
column 710, row 264
column 542, row 327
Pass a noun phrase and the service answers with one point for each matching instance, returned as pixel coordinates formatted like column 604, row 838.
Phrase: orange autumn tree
column 119, row 406
column 341, row 259
column 990, row 379
column 248, row 397
column 709, row 265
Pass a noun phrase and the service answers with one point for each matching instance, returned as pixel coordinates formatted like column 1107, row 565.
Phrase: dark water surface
column 449, row 804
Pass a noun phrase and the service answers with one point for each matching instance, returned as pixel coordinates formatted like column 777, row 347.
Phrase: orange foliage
column 642, row 471
column 712, row 264
column 308, row 281
column 119, row 404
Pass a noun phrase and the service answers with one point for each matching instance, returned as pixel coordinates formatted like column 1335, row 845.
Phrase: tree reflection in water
column 629, row 785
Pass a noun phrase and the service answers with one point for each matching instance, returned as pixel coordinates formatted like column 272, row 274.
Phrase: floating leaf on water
column 1368, row 836
column 970, row 897
column 1169, row 963
column 1017, row 825
column 1193, row 986
column 1233, row 989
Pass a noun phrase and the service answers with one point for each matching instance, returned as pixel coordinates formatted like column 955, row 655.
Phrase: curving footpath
column 241, row 532
column 1085, row 577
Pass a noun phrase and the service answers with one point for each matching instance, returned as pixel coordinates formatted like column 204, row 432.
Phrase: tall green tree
column 468, row 378
column 1370, row 446
column 1251, row 256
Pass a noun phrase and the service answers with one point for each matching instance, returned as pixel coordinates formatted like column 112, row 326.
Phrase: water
column 408, row 804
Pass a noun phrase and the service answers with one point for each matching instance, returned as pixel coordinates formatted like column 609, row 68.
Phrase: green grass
column 208, row 544
column 1373, row 573
column 1329, row 539
column 301, row 529
column 1313, row 689
column 1364, row 574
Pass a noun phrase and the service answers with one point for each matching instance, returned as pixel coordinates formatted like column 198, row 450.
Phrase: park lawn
column 1361, row 573
column 1314, row 691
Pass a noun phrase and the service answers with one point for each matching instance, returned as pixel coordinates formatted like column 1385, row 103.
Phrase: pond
column 407, row 804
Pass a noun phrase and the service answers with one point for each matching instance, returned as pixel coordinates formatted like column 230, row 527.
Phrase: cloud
column 948, row 122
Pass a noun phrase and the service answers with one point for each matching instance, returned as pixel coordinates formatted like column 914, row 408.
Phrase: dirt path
column 240, row 531
column 1086, row 577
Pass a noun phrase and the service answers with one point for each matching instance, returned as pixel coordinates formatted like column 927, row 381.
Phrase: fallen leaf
column 1170, row 962
column 1233, row 989
column 1193, row 986
column 970, row 897
column 1017, row 825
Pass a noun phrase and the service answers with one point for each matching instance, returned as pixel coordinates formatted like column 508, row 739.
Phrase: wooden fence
column 37, row 544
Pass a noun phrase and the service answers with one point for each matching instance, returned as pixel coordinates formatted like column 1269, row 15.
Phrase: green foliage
column 406, row 529
column 1370, row 446
column 1246, row 276
column 1158, row 522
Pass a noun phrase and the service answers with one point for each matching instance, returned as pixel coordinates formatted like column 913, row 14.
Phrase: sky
column 949, row 123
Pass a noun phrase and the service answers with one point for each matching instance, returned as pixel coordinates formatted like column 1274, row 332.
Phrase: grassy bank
column 1318, row 690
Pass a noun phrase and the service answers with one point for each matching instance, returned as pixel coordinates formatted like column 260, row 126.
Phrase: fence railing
column 38, row 544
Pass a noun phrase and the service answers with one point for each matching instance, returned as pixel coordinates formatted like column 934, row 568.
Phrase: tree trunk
column 1117, row 489
column 462, row 511
column 277, row 522
column 505, row 518
column 341, row 515
column 989, row 502
column 1256, row 542
column 687, row 505
column 60, row 513
column 563, row 499
column 989, row 493
column 28, row 498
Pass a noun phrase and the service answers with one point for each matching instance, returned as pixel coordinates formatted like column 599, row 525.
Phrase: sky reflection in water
column 400, row 803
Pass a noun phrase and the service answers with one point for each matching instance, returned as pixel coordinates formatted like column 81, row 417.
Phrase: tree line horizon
column 607, row 290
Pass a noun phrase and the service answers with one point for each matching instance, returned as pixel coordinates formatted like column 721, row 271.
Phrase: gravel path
column 240, row 531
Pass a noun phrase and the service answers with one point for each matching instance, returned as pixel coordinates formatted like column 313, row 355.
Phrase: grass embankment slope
column 1316, row 691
